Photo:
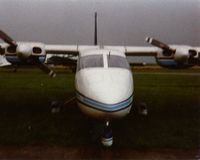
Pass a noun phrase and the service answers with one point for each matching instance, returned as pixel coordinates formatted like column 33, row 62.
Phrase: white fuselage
column 104, row 84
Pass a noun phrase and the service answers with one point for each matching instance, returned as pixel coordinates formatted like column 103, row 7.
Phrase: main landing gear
column 107, row 137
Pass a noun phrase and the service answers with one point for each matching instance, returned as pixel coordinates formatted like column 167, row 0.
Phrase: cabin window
column 115, row 61
column 90, row 61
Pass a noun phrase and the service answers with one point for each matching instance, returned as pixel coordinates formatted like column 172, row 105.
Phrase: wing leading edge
column 75, row 49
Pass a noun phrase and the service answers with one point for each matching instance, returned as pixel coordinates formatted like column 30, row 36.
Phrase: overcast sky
column 120, row 22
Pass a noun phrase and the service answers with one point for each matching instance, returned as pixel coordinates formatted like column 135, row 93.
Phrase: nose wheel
column 142, row 109
column 107, row 137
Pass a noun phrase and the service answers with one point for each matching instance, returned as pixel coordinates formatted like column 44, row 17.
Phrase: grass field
column 173, row 102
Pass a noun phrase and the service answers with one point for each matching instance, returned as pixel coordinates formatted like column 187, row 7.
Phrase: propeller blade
column 167, row 51
column 192, row 52
column 43, row 67
column 157, row 43
column 7, row 39
column 46, row 69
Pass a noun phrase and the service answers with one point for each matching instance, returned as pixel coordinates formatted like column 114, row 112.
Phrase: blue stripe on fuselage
column 102, row 106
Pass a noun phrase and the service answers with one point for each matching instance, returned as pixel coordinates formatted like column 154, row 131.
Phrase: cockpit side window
column 115, row 61
column 90, row 61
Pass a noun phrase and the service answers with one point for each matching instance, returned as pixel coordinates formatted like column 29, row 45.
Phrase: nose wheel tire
column 107, row 137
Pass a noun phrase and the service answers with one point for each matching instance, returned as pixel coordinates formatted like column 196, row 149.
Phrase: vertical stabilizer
column 95, row 28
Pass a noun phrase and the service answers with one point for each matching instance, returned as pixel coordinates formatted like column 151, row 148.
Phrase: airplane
column 103, row 79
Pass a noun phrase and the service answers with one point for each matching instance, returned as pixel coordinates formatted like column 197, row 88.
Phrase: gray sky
column 121, row 22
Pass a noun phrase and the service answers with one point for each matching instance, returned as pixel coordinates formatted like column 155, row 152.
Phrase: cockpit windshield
column 115, row 61
column 90, row 61
column 103, row 61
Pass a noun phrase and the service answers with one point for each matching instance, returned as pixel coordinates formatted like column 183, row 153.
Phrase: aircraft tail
column 95, row 29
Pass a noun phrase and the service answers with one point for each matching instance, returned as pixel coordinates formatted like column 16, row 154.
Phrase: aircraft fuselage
column 104, row 84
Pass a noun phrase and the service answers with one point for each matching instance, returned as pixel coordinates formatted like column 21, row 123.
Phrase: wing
column 65, row 54
column 135, row 50
column 67, row 49
column 141, row 51
column 61, row 49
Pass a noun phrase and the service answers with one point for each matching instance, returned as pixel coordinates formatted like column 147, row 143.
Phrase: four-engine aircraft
column 103, row 79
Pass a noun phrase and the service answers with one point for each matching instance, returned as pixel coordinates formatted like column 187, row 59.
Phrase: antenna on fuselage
column 95, row 28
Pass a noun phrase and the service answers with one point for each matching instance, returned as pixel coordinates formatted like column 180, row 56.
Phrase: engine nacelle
column 175, row 56
column 182, row 54
column 177, row 60
column 23, row 53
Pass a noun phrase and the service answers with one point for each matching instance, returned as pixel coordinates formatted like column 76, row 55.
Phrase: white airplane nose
column 109, row 86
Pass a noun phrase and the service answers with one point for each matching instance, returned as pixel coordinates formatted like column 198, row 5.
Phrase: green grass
column 173, row 102
column 174, row 109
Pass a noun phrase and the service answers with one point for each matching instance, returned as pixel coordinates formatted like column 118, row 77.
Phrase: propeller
column 43, row 66
column 182, row 54
column 167, row 51
column 7, row 39
column 194, row 57
column 33, row 58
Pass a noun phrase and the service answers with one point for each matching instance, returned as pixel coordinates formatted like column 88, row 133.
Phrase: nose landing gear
column 107, row 137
